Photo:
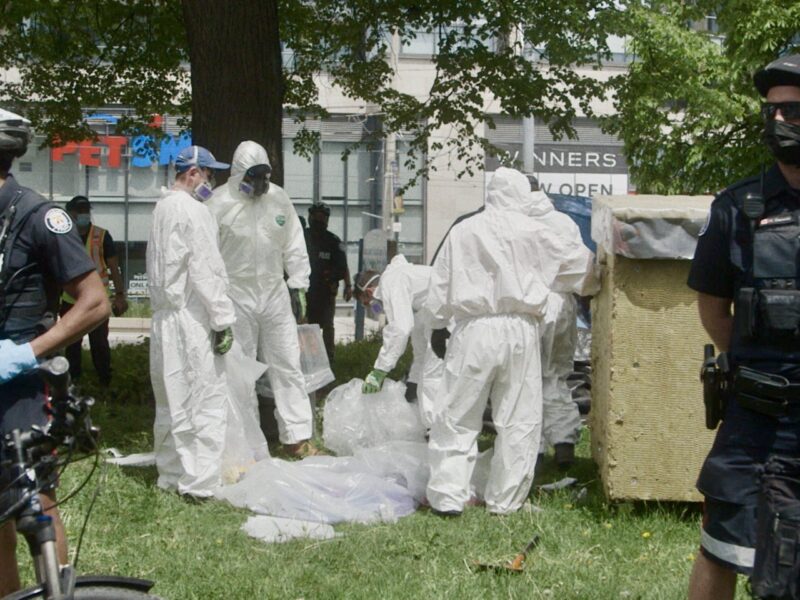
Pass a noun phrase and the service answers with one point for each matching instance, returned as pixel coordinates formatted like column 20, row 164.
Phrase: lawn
column 588, row 548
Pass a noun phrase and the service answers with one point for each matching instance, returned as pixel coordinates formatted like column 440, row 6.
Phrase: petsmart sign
column 108, row 150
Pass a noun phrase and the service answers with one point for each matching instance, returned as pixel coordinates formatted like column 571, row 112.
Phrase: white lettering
column 592, row 158
column 557, row 159
column 574, row 159
column 609, row 160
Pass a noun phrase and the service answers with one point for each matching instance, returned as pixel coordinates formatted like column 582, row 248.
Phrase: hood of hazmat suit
column 260, row 237
column 503, row 260
column 188, row 293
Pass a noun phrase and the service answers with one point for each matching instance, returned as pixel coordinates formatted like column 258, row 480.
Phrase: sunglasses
column 789, row 110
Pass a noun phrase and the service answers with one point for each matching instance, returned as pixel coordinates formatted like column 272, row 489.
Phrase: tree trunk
column 237, row 82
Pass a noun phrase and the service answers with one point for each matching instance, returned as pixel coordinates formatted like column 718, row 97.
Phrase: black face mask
column 317, row 226
column 783, row 141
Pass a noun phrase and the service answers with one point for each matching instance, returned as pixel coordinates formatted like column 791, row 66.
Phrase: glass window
column 423, row 44
column 298, row 174
column 333, row 171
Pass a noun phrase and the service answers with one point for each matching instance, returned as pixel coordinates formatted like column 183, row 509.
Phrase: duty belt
column 765, row 393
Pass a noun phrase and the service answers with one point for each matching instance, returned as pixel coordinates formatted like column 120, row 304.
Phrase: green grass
column 589, row 548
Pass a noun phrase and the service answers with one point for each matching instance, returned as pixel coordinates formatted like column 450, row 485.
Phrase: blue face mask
column 83, row 220
column 376, row 307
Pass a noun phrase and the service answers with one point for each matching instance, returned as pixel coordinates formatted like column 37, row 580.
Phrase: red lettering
column 115, row 144
column 89, row 154
column 68, row 148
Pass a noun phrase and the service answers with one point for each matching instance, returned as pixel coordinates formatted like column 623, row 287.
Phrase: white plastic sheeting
column 353, row 420
column 275, row 529
column 642, row 226
column 245, row 443
column 323, row 489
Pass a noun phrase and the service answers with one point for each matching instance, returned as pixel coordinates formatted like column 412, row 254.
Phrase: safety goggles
column 789, row 110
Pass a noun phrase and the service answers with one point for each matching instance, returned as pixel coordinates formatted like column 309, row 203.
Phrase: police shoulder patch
column 57, row 221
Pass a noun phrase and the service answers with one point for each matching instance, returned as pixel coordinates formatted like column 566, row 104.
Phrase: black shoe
column 565, row 455
column 446, row 513
column 411, row 391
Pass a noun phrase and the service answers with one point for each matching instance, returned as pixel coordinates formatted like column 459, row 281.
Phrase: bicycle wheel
column 102, row 592
column 94, row 592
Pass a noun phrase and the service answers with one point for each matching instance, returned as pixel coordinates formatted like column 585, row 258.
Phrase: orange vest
column 94, row 248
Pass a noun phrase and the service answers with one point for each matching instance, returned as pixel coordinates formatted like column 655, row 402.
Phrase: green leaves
column 687, row 109
column 71, row 55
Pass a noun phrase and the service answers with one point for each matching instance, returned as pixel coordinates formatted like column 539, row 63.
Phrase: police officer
column 328, row 266
column 100, row 247
column 747, row 258
column 40, row 253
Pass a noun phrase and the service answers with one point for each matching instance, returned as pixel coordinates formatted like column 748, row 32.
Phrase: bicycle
column 70, row 430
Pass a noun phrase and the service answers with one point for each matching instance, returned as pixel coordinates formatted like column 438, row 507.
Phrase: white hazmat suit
column 561, row 417
column 402, row 290
column 188, row 294
column 493, row 276
column 260, row 238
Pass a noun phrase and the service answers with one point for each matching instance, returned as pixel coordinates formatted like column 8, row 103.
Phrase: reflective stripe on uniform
column 741, row 556
column 94, row 248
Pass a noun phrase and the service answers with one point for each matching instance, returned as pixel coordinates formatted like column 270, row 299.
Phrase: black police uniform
column 727, row 264
column 98, row 337
column 42, row 252
column 328, row 266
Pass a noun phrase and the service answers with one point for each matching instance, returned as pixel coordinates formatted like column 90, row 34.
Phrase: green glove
column 223, row 340
column 298, row 298
column 374, row 382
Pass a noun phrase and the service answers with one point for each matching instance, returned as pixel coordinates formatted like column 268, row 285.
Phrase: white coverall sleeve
column 397, row 304
column 437, row 302
column 576, row 273
column 207, row 276
column 295, row 254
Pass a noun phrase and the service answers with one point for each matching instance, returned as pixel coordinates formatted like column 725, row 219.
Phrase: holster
column 715, row 376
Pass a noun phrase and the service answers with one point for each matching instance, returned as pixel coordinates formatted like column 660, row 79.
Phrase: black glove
column 439, row 342
column 411, row 391
column 298, row 298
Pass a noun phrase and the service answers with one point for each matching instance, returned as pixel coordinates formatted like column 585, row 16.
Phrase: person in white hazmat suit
column 260, row 238
column 493, row 277
column 561, row 417
column 192, row 317
column 401, row 291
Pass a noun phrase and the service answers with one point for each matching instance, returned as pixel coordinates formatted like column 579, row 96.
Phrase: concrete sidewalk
column 134, row 331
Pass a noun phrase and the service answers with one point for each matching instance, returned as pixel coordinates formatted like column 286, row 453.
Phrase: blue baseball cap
column 197, row 156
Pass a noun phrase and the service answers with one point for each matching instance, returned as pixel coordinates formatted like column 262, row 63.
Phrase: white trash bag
column 245, row 443
column 353, row 420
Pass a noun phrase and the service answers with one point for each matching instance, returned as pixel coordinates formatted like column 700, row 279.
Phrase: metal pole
column 359, row 316
column 50, row 175
column 528, row 136
column 126, row 157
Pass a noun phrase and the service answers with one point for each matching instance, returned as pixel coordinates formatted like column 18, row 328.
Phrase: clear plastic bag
column 245, row 443
column 323, row 489
column 352, row 420
column 313, row 362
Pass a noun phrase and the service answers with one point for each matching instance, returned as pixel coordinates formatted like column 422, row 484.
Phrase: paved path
column 134, row 331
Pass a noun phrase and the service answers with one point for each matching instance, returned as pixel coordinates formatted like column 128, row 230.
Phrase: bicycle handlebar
column 55, row 372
